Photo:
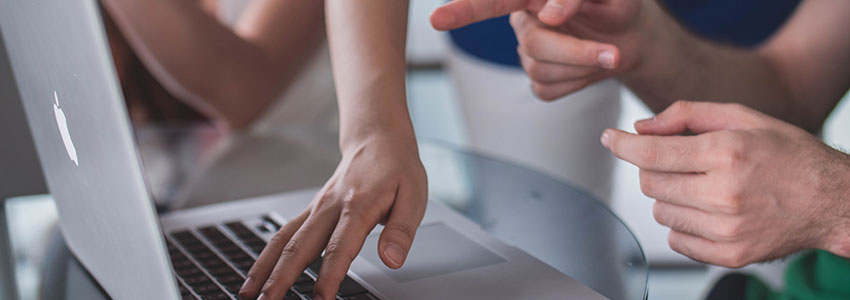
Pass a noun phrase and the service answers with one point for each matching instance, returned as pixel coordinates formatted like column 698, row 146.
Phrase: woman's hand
column 379, row 180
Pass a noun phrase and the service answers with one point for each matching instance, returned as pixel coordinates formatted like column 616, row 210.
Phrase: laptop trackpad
column 438, row 249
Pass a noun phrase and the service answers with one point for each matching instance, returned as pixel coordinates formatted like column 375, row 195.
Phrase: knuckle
column 335, row 251
column 325, row 201
column 401, row 229
column 681, row 107
column 292, row 247
column 279, row 238
column 535, row 70
column 649, row 156
column 543, row 91
column 659, row 214
column 648, row 186
column 731, row 203
column 737, row 107
column 731, row 231
column 358, row 214
column 736, row 257
column 514, row 19
column 675, row 243
column 530, row 43
column 734, row 153
column 731, row 198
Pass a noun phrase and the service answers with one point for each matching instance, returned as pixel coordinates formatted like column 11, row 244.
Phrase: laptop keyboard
column 211, row 263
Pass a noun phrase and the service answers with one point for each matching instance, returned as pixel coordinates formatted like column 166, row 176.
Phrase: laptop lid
column 20, row 171
column 67, row 83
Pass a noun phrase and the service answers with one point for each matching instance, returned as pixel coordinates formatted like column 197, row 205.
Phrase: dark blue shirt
column 739, row 22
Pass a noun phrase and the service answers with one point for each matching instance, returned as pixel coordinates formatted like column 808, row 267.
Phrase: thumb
column 558, row 12
column 397, row 236
column 699, row 117
column 459, row 13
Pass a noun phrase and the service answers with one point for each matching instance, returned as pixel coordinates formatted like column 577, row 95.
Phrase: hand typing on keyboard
column 211, row 263
column 378, row 181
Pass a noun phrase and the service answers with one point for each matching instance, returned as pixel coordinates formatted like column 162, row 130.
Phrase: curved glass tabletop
column 551, row 220
column 557, row 223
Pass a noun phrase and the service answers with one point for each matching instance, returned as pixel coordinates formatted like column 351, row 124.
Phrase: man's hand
column 601, row 41
column 564, row 45
column 379, row 180
column 746, row 188
column 459, row 13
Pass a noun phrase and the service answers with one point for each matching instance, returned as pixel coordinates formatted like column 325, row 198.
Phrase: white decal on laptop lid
column 62, row 123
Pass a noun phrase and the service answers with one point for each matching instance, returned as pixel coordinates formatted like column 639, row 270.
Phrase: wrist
column 837, row 240
column 388, row 133
column 662, row 44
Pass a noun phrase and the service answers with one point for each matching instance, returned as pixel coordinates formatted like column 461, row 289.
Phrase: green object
column 815, row 275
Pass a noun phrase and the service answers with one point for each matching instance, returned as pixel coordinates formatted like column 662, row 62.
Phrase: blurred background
column 443, row 77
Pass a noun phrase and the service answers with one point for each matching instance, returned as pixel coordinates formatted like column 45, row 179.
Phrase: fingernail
column 606, row 59
column 247, row 284
column 317, row 297
column 262, row 297
column 552, row 10
column 394, row 254
column 606, row 138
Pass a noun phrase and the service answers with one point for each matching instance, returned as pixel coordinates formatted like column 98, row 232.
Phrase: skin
column 231, row 75
column 745, row 188
column 794, row 81
column 380, row 178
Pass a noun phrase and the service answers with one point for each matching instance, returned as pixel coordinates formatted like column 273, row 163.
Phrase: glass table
column 552, row 220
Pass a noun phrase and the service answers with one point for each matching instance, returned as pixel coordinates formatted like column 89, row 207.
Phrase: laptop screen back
column 66, row 81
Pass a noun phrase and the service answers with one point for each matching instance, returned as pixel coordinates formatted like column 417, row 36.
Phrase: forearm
column 204, row 62
column 833, row 186
column 367, row 43
column 676, row 65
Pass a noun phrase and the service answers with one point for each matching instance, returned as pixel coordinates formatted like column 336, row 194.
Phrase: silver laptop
column 79, row 122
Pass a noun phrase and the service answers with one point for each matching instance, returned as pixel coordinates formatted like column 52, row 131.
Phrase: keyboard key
column 305, row 288
column 195, row 248
column 291, row 296
column 348, row 287
column 183, row 236
column 244, row 265
column 360, row 297
column 206, row 289
column 197, row 280
column 316, row 265
column 215, row 296
column 204, row 255
column 218, row 271
column 240, row 230
column 229, row 248
column 186, row 272
column 258, row 249
column 182, row 264
column 233, row 287
column 232, row 278
column 303, row 278
column 238, row 256
column 212, row 263
column 271, row 222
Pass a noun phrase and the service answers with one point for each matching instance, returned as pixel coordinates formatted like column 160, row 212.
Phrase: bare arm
column 367, row 42
column 229, row 74
column 798, row 75
column 380, row 178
